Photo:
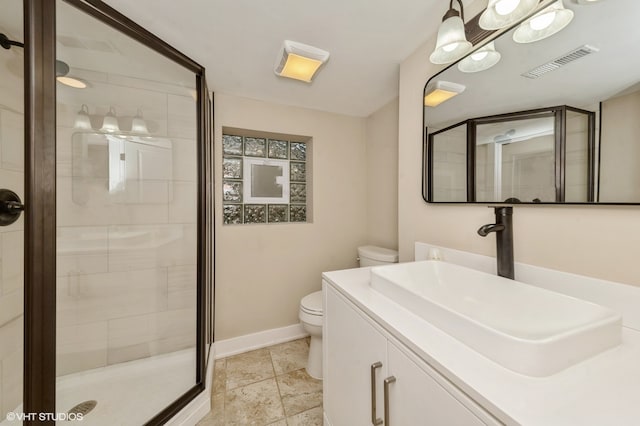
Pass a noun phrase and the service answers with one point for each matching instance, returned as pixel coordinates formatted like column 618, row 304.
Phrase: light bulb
column 543, row 21
column 450, row 47
column 505, row 7
column 478, row 56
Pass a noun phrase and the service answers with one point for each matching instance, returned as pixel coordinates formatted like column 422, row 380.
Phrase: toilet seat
column 312, row 304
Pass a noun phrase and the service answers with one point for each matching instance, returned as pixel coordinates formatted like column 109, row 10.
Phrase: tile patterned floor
column 266, row 387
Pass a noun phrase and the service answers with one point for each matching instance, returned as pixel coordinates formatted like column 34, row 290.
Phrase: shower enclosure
column 105, row 201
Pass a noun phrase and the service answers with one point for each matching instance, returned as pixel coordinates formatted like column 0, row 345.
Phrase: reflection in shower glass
column 11, row 236
column 127, row 218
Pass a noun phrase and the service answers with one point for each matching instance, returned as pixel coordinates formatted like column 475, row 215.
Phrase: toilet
column 311, row 309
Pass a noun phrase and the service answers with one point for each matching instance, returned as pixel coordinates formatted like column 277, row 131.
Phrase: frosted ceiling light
column 62, row 69
column 299, row 61
column 441, row 91
column 451, row 43
column 502, row 13
column 543, row 24
column 480, row 60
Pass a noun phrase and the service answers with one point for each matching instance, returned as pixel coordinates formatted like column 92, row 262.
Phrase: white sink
column 526, row 329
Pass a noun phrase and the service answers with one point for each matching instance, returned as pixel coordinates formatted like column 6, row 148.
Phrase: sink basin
column 524, row 328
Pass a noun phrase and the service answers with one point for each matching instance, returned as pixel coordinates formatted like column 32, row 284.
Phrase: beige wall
column 620, row 149
column 263, row 270
column 595, row 241
column 382, row 176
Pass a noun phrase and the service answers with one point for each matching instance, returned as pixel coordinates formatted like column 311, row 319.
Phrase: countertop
column 602, row 390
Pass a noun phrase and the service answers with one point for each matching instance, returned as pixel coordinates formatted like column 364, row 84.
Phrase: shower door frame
column 40, row 200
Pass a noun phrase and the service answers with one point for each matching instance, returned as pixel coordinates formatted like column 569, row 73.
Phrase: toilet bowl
column 311, row 318
column 311, row 310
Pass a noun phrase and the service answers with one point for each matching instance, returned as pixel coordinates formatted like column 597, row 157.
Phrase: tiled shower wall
column 126, row 272
column 11, row 237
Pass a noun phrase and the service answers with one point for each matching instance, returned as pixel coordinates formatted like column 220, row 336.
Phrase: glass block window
column 265, row 180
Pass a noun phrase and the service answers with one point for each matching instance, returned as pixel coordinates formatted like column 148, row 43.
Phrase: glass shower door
column 127, row 220
column 11, row 232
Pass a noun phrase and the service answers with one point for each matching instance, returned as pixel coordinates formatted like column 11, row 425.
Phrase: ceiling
column 237, row 41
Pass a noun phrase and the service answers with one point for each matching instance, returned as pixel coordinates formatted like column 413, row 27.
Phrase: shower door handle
column 10, row 207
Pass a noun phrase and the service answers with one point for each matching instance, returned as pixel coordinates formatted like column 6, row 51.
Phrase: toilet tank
column 372, row 256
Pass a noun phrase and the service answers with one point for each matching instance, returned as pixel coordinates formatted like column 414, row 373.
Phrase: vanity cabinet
column 364, row 363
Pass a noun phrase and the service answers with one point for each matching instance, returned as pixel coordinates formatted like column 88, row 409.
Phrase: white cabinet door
column 416, row 398
column 351, row 346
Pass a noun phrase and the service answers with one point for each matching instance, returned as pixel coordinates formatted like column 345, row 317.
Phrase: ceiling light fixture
column 451, row 43
column 299, row 61
column 502, row 13
column 62, row 68
column 441, row 91
column 543, row 24
column 480, row 60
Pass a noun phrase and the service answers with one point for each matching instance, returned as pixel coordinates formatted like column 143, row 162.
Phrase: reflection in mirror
column 449, row 171
column 515, row 160
column 620, row 160
column 588, row 65
column 537, row 156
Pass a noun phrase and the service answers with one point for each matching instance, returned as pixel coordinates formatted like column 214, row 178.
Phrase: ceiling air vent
column 563, row 60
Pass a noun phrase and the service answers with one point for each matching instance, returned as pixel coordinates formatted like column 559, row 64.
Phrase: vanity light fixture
column 110, row 122
column 83, row 122
column 543, row 24
column 442, row 91
column 451, row 43
column 502, row 13
column 299, row 61
column 480, row 60
column 138, row 125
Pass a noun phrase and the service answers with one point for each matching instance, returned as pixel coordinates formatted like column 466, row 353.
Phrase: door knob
column 10, row 207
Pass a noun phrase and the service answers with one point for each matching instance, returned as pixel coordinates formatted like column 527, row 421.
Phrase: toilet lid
column 312, row 303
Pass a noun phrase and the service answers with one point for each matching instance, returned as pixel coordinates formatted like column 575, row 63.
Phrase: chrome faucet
column 504, row 239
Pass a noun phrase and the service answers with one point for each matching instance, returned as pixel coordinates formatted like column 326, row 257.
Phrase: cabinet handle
column 387, row 382
column 374, row 420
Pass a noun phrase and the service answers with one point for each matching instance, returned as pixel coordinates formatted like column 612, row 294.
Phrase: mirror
column 554, row 121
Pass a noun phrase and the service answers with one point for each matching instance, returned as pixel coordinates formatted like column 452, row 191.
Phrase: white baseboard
column 249, row 342
column 200, row 406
